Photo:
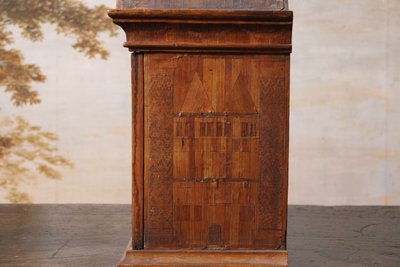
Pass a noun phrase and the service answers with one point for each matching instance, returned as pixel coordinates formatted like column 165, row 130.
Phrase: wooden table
column 93, row 235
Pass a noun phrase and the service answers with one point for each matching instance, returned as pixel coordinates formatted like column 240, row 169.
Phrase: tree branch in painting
column 70, row 17
column 26, row 151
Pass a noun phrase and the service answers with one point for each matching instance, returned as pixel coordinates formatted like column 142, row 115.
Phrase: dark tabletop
column 96, row 235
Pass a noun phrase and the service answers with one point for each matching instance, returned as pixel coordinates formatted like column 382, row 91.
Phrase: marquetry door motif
column 212, row 151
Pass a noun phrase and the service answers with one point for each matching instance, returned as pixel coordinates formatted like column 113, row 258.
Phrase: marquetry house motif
column 215, row 168
column 210, row 94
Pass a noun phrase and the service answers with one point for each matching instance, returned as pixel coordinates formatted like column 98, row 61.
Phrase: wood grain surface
column 205, row 258
column 137, row 149
column 95, row 235
column 239, row 31
column 216, row 131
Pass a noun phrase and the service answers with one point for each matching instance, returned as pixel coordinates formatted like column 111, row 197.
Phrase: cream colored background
column 345, row 119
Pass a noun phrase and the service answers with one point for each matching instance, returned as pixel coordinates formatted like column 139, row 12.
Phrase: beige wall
column 345, row 91
column 344, row 114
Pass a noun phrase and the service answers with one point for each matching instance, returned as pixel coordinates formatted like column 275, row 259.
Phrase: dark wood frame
column 137, row 151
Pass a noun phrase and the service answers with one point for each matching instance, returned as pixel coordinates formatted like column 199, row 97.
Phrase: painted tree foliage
column 27, row 151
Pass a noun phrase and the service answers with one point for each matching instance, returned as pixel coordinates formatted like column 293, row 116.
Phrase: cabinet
column 210, row 96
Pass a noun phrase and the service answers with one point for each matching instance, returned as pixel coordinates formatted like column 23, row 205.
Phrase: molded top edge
column 264, row 5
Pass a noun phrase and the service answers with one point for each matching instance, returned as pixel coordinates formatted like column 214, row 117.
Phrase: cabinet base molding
column 204, row 258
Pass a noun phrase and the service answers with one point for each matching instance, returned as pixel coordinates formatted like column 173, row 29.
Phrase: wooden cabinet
column 210, row 95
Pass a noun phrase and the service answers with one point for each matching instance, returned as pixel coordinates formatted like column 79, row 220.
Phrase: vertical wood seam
column 137, row 151
column 285, row 184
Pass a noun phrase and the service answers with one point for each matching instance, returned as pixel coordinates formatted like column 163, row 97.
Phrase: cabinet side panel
column 137, row 150
column 271, row 208
column 216, row 132
column 158, row 153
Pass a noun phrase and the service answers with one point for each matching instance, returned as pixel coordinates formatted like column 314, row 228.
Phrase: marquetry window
column 203, row 129
column 219, row 129
column 248, row 129
column 210, row 127
column 227, row 129
column 188, row 128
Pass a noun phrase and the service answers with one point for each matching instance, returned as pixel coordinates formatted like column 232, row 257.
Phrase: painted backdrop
column 345, row 119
